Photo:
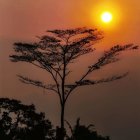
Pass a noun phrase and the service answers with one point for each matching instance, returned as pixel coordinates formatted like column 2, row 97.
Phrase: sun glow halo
column 106, row 17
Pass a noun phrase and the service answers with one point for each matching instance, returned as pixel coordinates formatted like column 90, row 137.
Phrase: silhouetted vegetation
column 22, row 122
column 82, row 132
column 59, row 48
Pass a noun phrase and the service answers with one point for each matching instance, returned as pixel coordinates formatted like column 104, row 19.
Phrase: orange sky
column 28, row 18
column 112, row 107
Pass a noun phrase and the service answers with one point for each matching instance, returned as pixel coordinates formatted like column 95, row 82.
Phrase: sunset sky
column 114, row 107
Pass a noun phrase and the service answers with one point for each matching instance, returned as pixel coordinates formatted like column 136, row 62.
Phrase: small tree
column 56, row 50
column 19, row 121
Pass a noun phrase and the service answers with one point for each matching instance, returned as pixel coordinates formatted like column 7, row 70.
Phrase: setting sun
column 106, row 17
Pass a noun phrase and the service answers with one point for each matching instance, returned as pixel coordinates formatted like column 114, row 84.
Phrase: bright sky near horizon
column 114, row 108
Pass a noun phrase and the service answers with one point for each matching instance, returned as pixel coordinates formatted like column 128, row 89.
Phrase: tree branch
column 93, row 82
column 36, row 83
column 107, row 58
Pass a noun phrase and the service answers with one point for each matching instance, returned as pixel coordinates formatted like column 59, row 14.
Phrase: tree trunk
column 62, row 122
column 60, row 131
column 62, row 116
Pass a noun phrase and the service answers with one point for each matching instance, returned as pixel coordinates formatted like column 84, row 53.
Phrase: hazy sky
column 114, row 107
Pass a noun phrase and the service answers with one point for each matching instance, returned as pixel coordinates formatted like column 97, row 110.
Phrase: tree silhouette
column 21, row 122
column 82, row 132
column 59, row 48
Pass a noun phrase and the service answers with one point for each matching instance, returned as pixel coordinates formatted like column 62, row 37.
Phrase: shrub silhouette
column 21, row 122
column 82, row 132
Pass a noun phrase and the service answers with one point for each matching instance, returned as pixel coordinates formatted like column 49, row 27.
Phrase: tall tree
column 59, row 48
